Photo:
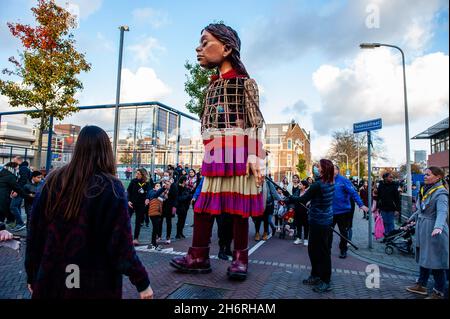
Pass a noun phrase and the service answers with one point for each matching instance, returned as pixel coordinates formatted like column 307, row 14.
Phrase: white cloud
column 295, row 31
column 81, row 8
column 146, row 50
column 154, row 18
column 142, row 86
column 372, row 87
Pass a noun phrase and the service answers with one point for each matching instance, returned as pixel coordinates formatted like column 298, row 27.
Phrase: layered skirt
column 226, row 186
column 234, row 195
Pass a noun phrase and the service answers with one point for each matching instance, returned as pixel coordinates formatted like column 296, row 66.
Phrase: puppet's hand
column 254, row 166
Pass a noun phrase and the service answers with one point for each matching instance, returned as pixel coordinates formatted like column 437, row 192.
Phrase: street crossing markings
column 254, row 248
column 170, row 251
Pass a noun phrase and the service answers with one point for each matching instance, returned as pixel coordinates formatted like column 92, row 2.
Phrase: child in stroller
column 287, row 223
column 286, row 217
column 401, row 239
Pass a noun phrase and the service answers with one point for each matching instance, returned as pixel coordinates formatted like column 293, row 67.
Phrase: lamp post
column 408, row 161
column 119, row 75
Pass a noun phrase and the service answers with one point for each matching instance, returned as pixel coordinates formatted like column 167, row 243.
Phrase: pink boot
column 239, row 265
column 196, row 261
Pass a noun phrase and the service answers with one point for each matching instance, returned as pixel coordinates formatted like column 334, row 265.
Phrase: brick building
column 285, row 142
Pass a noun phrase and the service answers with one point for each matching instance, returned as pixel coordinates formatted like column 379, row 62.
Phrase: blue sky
column 303, row 54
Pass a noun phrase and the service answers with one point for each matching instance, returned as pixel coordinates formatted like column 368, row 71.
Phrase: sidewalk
column 397, row 261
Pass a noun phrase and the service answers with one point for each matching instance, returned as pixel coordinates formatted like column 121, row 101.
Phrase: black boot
column 222, row 254
column 228, row 251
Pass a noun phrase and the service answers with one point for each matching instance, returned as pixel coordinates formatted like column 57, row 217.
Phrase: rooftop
column 433, row 130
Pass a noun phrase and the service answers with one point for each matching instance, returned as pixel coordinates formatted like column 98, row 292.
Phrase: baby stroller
column 287, row 223
column 401, row 239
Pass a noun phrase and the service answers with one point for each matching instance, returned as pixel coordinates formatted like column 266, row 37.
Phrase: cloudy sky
column 304, row 55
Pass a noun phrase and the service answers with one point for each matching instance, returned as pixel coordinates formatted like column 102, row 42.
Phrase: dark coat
column 320, row 195
column 8, row 183
column 183, row 199
column 24, row 175
column 171, row 200
column 136, row 197
column 98, row 241
column 388, row 197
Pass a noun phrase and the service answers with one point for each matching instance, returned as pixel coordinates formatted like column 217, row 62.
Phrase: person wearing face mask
column 431, row 234
column 169, row 209
column 315, row 171
column 320, row 219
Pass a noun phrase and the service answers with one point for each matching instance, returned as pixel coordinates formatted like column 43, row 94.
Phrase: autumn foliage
column 47, row 67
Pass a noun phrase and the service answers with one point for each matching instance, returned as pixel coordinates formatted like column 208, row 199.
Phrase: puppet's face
column 211, row 52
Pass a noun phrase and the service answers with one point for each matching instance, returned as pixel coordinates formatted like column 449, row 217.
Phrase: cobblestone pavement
column 276, row 270
column 397, row 261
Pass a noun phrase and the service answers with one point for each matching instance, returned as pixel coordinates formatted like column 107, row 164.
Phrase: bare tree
column 345, row 142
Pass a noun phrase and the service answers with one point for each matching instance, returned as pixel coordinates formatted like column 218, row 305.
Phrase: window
column 289, row 144
column 289, row 160
column 440, row 143
column 285, row 128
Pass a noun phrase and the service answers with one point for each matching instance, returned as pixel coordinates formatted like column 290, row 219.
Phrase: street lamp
column 347, row 161
column 119, row 75
column 408, row 161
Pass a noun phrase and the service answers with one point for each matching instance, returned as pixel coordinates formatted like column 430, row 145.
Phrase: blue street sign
column 367, row 126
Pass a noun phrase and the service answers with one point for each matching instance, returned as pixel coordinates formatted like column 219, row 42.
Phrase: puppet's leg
column 239, row 265
column 197, row 258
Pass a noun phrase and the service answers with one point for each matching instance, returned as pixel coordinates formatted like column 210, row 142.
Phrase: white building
column 17, row 136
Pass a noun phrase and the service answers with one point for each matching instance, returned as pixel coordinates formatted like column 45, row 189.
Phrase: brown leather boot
column 265, row 236
column 196, row 261
column 239, row 265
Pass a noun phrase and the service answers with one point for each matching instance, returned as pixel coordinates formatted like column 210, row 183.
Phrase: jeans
column 438, row 275
column 388, row 221
column 16, row 202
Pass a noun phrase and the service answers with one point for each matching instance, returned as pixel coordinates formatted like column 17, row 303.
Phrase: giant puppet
column 232, row 131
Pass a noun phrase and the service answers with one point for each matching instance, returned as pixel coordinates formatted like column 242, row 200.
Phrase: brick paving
column 376, row 254
column 276, row 270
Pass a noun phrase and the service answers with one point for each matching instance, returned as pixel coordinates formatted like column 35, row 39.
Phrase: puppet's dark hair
column 229, row 37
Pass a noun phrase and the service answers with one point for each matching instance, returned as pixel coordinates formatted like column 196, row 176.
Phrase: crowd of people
column 19, row 184
column 316, row 205
column 161, row 197
column 81, row 214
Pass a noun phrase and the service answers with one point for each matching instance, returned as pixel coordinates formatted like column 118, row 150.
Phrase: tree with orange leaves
column 47, row 67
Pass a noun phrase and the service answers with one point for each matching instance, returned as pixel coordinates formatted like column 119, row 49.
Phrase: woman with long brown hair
column 79, row 243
